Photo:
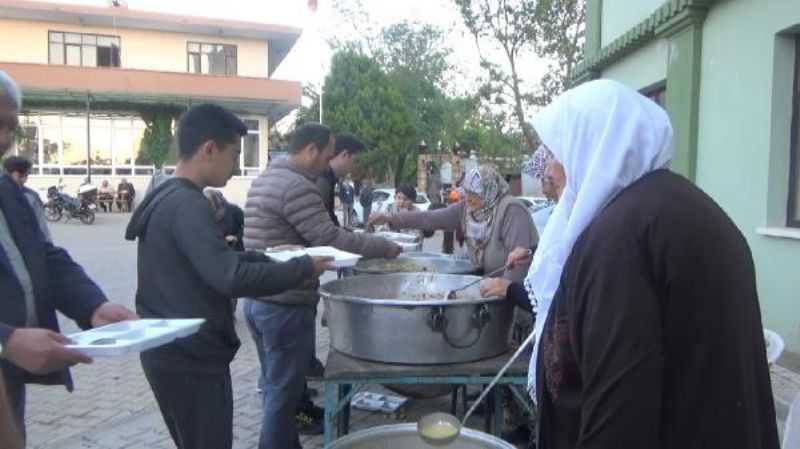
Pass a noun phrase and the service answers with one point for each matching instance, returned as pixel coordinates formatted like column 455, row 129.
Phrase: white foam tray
column 128, row 337
column 398, row 237
column 341, row 259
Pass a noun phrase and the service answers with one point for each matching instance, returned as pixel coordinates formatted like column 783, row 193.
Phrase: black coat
column 326, row 184
column 58, row 282
column 654, row 336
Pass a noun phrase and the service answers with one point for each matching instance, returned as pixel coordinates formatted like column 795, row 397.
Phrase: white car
column 382, row 198
column 534, row 203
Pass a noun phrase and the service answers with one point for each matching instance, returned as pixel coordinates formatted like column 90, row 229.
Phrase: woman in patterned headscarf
column 493, row 221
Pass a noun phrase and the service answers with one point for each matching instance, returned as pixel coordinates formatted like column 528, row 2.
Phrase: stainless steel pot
column 400, row 318
column 416, row 262
column 405, row 436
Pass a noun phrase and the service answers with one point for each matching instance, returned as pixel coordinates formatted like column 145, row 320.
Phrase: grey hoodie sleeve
column 447, row 219
column 231, row 273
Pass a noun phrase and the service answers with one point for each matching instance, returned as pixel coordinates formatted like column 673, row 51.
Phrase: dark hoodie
column 185, row 270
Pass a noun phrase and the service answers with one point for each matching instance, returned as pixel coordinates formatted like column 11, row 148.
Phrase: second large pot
column 400, row 318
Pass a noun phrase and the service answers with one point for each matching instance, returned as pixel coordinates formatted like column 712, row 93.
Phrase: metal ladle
column 440, row 429
column 451, row 294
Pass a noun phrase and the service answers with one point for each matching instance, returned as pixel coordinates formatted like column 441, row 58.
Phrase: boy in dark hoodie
column 185, row 270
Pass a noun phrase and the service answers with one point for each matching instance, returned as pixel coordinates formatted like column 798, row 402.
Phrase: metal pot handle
column 480, row 318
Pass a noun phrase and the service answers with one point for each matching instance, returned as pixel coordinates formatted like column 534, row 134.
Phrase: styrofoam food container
column 128, row 337
column 341, row 259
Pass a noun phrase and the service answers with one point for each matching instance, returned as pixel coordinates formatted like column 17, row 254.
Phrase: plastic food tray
column 132, row 336
column 376, row 402
column 341, row 259
column 398, row 236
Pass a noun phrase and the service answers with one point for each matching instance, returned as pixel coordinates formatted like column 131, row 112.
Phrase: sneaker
column 308, row 424
column 312, row 411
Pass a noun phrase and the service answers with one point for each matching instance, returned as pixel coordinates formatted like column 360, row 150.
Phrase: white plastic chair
column 775, row 346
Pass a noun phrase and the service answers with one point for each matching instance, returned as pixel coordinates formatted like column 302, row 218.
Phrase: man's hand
column 494, row 287
column 378, row 219
column 322, row 264
column 394, row 250
column 111, row 313
column 41, row 351
column 518, row 257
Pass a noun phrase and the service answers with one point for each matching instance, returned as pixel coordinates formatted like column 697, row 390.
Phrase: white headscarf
column 606, row 136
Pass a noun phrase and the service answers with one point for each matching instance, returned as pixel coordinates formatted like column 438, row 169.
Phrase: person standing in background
column 365, row 199
column 341, row 165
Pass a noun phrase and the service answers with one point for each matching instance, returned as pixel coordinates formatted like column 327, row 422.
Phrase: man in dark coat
column 37, row 279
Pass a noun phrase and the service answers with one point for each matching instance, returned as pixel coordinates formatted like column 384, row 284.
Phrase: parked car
column 534, row 203
column 382, row 198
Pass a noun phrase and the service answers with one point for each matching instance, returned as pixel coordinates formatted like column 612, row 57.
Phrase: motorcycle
column 60, row 204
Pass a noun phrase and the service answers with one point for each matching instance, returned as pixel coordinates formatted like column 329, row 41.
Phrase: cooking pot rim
column 362, row 436
column 329, row 296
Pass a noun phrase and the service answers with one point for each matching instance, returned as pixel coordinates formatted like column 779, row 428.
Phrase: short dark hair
column 348, row 142
column 315, row 133
column 408, row 190
column 17, row 164
column 206, row 122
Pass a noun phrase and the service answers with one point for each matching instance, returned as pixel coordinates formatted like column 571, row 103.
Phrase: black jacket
column 58, row 282
column 185, row 270
column 327, row 187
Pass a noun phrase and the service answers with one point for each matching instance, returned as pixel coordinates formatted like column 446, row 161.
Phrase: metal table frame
column 339, row 390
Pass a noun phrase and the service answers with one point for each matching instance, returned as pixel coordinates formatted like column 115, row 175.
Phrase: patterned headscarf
column 486, row 182
column 536, row 165
column 217, row 201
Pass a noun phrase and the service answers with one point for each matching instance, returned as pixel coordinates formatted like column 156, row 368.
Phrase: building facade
column 728, row 73
column 94, row 78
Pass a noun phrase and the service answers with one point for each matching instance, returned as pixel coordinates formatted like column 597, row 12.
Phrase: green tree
column 553, row 29
column 360, row 98
column 157, row 140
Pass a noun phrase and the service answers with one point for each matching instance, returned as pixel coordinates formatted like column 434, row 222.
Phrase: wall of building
column 618, row 16
column 643, row 68
column 743, row 141
column 235, row 191
column 140, row 49
column 744, row 126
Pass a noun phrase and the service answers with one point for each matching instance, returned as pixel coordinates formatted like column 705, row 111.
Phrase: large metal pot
column 405, row 436
column 399, row 318
column 415, row 263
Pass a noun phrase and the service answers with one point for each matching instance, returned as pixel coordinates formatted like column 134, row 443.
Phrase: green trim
column 594, row 28
column 683, row 95
column 669, row 19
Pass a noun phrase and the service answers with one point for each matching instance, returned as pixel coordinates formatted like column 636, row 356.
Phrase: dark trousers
column 284, row 338
column 15, row 389
column 197, row 407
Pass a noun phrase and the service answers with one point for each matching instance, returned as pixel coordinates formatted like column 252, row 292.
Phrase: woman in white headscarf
column 648, row 319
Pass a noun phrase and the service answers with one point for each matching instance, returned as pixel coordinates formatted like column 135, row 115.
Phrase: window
column 793, row 217
column 87, row 50
column 249, row 159
column 656, row 92
column 211, row 59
